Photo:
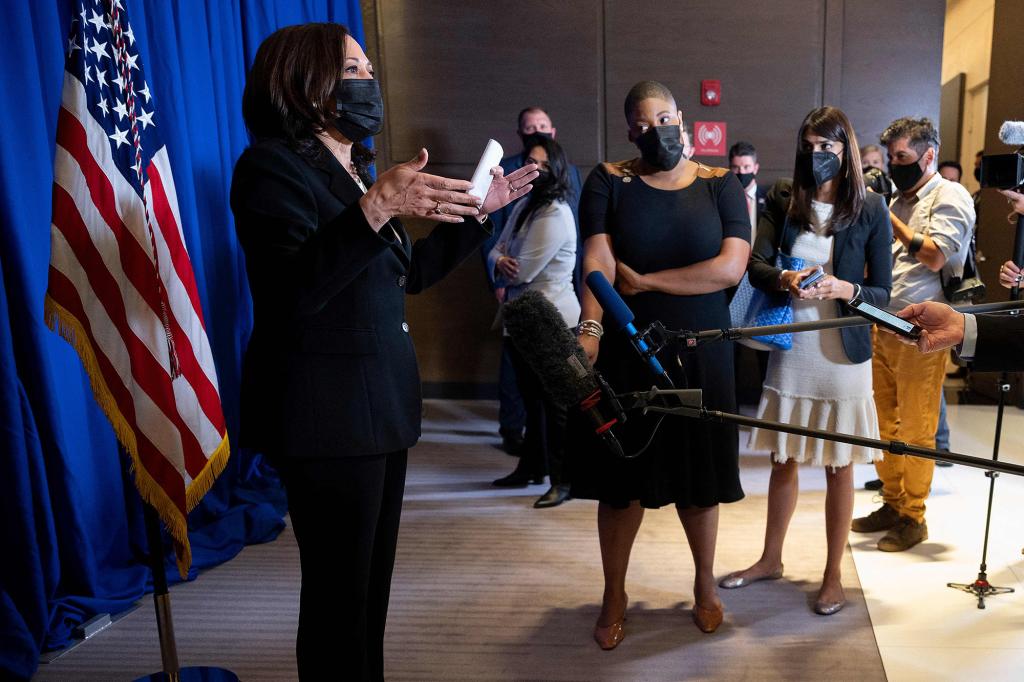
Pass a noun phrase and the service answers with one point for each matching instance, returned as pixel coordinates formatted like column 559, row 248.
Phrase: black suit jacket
column 1000, row 344
column 330, row 369
column 866, row 243
column 762, row 200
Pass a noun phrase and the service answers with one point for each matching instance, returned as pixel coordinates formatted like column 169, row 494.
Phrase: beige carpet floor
column 487, row 588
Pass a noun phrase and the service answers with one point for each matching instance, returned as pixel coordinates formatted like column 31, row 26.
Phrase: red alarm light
column 711, row 93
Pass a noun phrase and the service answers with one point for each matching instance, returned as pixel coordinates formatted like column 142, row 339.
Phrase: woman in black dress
column 674, row 234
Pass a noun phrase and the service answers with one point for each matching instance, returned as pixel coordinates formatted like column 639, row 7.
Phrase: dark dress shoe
column 555, row 496
column 513, row 445
column 517, row 479
column 873, row 485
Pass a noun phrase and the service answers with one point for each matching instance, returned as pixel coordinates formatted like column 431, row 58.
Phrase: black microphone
column 553, row 353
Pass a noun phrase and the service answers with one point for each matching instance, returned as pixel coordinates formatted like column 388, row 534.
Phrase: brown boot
column 883, row 518
column 904, row 535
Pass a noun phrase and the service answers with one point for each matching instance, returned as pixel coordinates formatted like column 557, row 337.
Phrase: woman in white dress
column 827, row 218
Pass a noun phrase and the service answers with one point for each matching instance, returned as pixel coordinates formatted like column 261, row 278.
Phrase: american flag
column 121, row 288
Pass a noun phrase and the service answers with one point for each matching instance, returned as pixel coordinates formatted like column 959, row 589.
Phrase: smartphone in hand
column 810, row 279
column 886, row 319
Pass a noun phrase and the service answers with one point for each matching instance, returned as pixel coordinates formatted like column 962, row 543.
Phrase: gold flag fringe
column 60, row 320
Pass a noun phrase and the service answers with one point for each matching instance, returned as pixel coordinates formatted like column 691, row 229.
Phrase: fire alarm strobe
column 711, row 93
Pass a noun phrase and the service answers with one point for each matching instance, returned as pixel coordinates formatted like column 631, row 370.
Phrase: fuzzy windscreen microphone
column 540, row 335
column 551, row 350
column 1012, row 133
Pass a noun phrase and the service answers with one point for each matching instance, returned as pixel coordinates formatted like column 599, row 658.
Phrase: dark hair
column 558, row 188
column 530, row 110
column 832, row 124
column 952, row 164
column 646, row 90
column 289, row 93
column 742, row 149
column 921, row 134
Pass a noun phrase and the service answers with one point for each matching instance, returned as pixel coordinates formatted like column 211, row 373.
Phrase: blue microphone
column 622, row 318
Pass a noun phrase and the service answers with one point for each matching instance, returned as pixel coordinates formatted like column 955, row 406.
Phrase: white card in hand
column 482, row 175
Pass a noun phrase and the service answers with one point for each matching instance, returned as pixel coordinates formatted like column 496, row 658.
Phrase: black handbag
column 968, row 287
column 965, row 287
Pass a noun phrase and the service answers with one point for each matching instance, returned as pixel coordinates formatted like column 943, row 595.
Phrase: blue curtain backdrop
column 71, row 530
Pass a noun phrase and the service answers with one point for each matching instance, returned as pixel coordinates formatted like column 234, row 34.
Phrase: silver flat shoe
column 828, row 608
column 734, row 580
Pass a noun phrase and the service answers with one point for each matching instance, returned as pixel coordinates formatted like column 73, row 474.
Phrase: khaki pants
column 908, row 389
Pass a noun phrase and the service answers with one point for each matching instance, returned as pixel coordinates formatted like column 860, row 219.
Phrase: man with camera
column 932, row 219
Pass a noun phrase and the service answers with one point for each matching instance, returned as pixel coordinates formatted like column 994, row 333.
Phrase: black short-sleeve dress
column 689, row 463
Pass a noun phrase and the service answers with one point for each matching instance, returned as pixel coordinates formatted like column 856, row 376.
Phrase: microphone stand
column 657, row 337
column 980, row 587
column 651, row 401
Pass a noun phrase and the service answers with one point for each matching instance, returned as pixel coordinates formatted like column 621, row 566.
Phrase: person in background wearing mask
column 537, row 252
column 673, row 235
column 743, row 162
column 534, row 125
column 330, row 386
column 872, row 156
column 825, row 217
column 932, row 220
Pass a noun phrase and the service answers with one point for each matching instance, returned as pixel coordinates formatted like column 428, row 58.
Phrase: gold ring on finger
column 437, row 208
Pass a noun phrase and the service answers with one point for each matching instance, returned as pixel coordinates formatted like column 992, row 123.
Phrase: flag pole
column 172, row 672
column 161, row 595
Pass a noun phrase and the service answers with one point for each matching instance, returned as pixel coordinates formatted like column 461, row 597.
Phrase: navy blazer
column 864, row 245
column 1000, row 344
column 330, row 369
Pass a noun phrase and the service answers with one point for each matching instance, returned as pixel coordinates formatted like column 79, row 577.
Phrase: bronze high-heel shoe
column 609, row 636
column 707, row 619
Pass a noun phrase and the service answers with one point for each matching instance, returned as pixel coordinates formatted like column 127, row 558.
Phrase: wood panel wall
column 456, row 72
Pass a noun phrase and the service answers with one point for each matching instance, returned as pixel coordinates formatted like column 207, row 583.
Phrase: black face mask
column 660, row 147
column 977, row 174
column 360, row 109
column 905, row 177
column 817, row 168
column 745, row 178
column 534, row 139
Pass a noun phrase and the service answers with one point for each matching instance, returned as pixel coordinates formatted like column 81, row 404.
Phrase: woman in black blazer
column 825, row 217
column 330, row 386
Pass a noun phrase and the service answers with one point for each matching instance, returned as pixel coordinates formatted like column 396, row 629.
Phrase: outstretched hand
column 507, row 188
column 941, row 326
column 406, row 190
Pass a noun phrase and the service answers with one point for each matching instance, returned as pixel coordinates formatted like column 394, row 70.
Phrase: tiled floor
column 924, row 629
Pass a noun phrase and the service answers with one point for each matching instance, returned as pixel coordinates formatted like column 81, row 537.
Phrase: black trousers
column 345, row 513
column 544, row 440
